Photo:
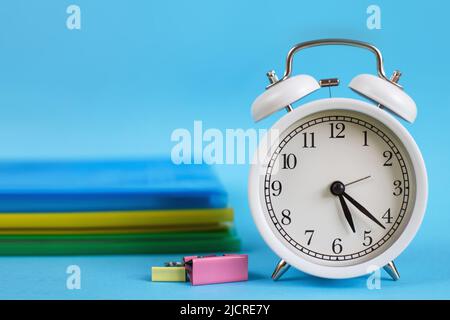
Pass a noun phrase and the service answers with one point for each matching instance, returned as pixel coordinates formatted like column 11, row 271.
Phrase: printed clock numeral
column 276, row 187
column 337, row 246
column 365, row 144
column 286, row 220
column 309, row 233
column 308, row 140
column 398, row 190
column 388, row 156
column 367, row 239
column 289, row 161
column 337, row 130
column 387, row 216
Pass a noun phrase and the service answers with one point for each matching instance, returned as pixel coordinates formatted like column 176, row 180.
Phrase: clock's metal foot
column 391, row 269
column 280, row 269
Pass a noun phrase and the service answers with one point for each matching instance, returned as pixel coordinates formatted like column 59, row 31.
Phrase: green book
column 190, row 242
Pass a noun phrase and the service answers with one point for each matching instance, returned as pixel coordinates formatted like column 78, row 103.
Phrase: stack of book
column 112, row 207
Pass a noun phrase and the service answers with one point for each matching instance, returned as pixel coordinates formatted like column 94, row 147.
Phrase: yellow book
column 125, row 220
column 146, row 230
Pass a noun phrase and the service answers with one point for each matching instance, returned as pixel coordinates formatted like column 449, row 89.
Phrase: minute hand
column 363, row 210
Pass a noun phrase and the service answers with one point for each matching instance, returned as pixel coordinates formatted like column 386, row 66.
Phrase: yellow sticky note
column 169, row 274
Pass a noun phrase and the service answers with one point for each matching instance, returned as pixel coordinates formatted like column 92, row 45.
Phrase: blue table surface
column 133, row 74
column 422, row 268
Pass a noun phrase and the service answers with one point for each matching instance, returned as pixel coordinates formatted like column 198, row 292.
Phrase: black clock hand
column 362, row 209
column 337, row 188
column 347, row 213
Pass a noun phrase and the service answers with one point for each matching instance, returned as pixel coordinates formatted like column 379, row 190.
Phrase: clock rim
column 417, row 213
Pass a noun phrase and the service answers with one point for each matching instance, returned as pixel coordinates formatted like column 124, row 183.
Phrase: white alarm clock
column 338, row 186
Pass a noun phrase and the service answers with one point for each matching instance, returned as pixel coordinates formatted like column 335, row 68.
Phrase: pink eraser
column 217, row 269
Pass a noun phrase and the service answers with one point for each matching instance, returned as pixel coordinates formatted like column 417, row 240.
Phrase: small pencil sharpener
column 216, row 269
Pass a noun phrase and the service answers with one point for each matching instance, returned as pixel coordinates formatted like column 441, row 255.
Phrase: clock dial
column 339, row 188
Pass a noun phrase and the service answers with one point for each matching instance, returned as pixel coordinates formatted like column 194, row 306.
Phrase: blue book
column 49, row 186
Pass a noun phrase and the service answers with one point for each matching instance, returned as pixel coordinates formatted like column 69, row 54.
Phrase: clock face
column 339, row 188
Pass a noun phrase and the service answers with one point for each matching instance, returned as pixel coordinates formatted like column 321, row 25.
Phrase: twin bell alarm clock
column 338, row 186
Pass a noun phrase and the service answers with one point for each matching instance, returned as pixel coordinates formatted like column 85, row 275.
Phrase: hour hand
column 347, row 213
column 338, row 189
column 363, row 210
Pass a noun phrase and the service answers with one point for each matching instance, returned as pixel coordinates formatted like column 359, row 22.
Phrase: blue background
column 137, row 70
